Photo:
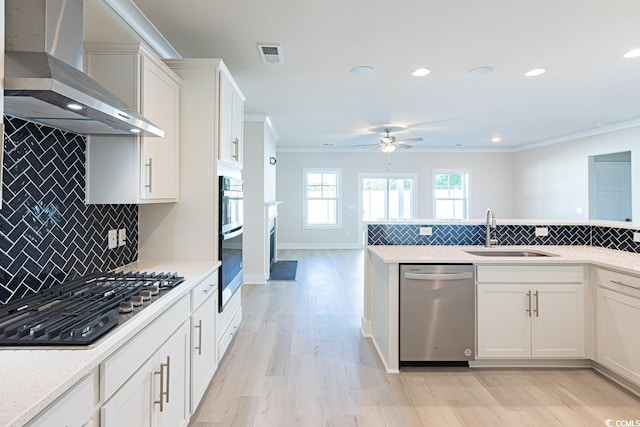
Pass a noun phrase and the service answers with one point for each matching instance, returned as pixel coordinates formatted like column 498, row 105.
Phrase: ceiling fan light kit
column 388, row 143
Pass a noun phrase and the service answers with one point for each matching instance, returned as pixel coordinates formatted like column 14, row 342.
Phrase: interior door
column 613, row 191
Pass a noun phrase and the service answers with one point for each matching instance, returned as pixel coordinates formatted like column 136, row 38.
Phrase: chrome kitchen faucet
column 490, row 223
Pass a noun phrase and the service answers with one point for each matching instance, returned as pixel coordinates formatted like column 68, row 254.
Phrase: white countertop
column 609, row 258
column 30, row 379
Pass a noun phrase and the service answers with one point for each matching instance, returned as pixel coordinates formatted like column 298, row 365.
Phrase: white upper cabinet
column 231, row 121
column 135, row 169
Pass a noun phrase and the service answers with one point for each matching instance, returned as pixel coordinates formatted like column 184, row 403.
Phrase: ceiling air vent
column 271, row 53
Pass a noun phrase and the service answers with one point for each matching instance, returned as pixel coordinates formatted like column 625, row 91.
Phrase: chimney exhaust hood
column 43, row 79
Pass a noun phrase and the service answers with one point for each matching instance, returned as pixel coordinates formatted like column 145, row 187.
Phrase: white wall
column 259, row 187
column 491, row 184
column 551, row 182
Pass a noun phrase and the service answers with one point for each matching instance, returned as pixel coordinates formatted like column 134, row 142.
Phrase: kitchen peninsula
column 605, row 280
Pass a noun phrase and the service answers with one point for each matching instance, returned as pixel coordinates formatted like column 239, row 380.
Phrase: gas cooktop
column 79, row 312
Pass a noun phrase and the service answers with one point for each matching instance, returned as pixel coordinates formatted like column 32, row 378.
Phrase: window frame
column 388, row 176
column 305, row 199
column 466, row 201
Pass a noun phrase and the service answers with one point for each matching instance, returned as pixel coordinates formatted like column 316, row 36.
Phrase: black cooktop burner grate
column 80, row 311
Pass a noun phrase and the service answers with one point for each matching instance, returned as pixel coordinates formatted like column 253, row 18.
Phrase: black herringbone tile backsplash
column 460, row 234
column 47, row 233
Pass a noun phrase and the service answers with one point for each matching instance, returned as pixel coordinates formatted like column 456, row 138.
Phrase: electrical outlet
column 113, row 239
column 426, row 231
column 542, row 231
column 579, row 211
column 636, row 236
column 122, row 237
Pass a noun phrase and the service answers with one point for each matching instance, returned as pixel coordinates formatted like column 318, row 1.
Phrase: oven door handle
column 232, row 234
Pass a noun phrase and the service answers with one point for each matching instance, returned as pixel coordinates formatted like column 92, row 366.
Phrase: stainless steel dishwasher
column 437, row 313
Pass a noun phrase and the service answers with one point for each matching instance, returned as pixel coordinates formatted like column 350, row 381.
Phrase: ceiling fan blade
column 367, row 145
column 403, row 146
column 417, row 139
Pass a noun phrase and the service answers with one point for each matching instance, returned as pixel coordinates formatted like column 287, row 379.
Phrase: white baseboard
column 620, row 380
column 530, row 363
column 365, row 327
column 382, row 359
column 319, row 246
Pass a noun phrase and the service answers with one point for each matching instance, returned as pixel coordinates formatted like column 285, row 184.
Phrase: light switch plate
column 542, row 231
column 122, row 237
column 113, row 239
column 426, row 231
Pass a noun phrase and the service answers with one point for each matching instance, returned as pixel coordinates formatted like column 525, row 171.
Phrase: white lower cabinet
column 159, row 376
column 157, row 394
column 618, row 317
column 525, row 320
column 203, row 339
column 228, row 322
column 75, row 408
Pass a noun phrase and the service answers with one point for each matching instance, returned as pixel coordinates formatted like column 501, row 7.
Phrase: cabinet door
column 226, row 149
column 174, row 356
column 162, row 376
column 160, row 103
column 75, row 408
column 504, row 325
column 203, row 345
column 617, row 333
column 132, row 405
column 558, row 321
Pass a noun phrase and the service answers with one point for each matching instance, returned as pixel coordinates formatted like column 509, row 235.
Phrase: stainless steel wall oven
column 230, row 239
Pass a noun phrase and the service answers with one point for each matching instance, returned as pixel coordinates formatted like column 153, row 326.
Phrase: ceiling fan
column 389, row 143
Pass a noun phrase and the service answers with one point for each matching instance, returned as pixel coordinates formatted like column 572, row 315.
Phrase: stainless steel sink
column 509, row 253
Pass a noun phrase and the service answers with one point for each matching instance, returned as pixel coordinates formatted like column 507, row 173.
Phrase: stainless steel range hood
column 43, row 82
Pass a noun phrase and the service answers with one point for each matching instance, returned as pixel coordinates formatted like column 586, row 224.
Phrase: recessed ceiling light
column 421, row 72
column 603, row 124
column 632, row 53
column 362, row 70
column 74, row 106
column 496, row 139
column 479, row 72
column 535, row 72
column 134, row 130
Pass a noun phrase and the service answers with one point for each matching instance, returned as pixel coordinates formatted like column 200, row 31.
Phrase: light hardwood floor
column 299, row 359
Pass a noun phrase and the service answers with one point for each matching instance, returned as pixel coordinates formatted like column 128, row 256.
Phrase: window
column 387, row 197
column 321, row 197
column 451, row 195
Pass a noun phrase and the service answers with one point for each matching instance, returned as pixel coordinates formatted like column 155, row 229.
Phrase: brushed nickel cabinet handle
column 617, row 282
column 529, row 304
column 168, row 377
column 537, row 309
column 236, row 149
column 150, row 180
column 161, row 373
column 199, row 346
